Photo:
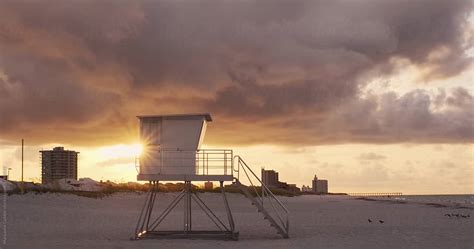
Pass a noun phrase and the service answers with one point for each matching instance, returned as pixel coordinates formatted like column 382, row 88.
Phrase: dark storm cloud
column 270, row 71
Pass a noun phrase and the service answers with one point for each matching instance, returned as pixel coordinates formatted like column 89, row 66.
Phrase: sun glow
column 121, row 151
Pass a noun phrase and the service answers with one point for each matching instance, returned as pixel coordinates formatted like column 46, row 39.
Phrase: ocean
column 450, row 200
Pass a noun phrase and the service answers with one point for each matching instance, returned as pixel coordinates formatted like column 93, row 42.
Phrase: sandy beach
column 69, row 221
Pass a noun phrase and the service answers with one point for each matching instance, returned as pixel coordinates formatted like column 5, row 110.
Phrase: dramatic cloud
column 269, row 71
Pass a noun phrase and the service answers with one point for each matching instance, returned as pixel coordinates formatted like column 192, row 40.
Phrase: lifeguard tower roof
column 206, row 116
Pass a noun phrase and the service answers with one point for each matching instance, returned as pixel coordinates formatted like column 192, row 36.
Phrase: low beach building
column 208, row 185
column 306, row 189
column 270, row 178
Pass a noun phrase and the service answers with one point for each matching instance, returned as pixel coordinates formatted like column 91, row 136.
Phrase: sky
column 373, row 95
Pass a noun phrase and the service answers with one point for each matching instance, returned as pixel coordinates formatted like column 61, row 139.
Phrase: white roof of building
column 206, row 116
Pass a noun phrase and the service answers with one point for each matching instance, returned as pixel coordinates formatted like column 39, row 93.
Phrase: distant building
column 58, row 164
column 6, row 172
column 208, row 186
column 320, row 186
column 306, row 188
column 293, row 188
column 270, row 178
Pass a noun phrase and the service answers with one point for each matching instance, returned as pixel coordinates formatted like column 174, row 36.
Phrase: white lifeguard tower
column 172, row 152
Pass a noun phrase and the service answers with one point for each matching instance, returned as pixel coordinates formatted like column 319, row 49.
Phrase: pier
column 375, row 194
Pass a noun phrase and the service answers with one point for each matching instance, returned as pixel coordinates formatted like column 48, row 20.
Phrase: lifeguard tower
column 172, row 152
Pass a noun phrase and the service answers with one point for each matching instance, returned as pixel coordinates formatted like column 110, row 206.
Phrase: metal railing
column 263, row 194
column 200, row 162
column 215, row 161
column 219, row 162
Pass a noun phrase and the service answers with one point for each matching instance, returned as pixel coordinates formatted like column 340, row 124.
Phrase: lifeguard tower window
column 172, row 150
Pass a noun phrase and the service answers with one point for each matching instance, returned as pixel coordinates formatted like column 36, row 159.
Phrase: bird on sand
column 369, row 220
column 381, row 221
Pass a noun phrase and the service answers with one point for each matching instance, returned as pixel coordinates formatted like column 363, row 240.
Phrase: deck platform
column 194, row 178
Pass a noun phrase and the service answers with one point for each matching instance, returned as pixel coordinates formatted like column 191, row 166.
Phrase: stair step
column 261, row 209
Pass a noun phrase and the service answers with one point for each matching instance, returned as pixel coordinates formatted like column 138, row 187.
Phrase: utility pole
column 22, row 184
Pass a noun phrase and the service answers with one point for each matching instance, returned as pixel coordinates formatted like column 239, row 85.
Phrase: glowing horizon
column 345, row 173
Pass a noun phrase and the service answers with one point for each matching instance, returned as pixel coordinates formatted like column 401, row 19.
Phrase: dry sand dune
column 68, row 221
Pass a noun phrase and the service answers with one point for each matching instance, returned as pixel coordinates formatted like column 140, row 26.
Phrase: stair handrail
column 264, row 188
column 262, row 196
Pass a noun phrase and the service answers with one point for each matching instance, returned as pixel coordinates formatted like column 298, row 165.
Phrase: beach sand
column 69, row 221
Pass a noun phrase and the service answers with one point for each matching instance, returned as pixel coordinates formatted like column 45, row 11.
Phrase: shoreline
column 426, row 203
